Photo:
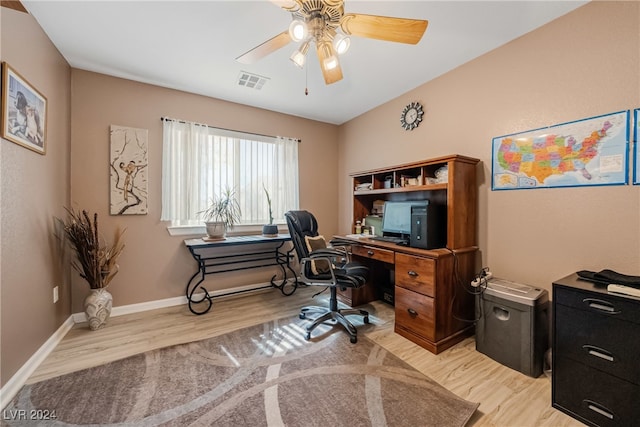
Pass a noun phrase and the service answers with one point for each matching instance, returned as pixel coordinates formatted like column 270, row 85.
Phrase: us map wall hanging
column 592, row 151
column 636, row 146
column 129, row 171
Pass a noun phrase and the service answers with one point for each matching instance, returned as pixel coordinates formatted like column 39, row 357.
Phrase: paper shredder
column 513, row 325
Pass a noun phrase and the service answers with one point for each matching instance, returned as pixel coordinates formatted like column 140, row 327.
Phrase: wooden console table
column 212, row 259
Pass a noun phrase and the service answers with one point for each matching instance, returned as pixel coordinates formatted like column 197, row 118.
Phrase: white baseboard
column 19, row 379
column 16, row 382
column 171, row 302
column 136, row 308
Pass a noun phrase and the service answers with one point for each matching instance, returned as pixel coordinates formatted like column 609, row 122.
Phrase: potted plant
column 221, row 215
column 269, row 230
column 95, row 260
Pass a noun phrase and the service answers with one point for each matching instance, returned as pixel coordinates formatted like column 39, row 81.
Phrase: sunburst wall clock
column 411, row 116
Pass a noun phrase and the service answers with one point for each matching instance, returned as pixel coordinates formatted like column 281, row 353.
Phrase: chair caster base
column 332, row 316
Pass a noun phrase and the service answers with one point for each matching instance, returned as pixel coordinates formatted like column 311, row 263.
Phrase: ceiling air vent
column 252, row 81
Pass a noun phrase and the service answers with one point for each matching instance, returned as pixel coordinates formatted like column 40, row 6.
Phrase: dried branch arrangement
column 95, row 260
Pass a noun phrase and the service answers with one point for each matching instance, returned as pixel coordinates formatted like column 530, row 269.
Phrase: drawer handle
column 601, row 305
column 596, row 407
column 412, row 312
column 370, row 253
column 598, row 352
column 412, row 273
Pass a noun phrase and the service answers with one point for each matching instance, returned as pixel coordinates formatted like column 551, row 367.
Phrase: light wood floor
column 507, row 397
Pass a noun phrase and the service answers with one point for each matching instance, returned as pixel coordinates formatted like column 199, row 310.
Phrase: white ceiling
column 192, row 46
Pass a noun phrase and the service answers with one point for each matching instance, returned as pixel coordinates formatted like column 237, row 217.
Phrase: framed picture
column 592, row 151
column 24, row 112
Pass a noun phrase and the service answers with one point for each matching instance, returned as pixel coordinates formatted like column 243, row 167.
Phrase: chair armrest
column 326, row 253
column 355, row 274
column 343, row 245
column 333, row 255
column 303, row 271
column 338, row 241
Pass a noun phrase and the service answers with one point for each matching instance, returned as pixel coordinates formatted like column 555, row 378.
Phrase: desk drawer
column 416, row 273
column 602, row 342
column 612, row 306
column 415, row 312
column 378, row 254
column 593, row 396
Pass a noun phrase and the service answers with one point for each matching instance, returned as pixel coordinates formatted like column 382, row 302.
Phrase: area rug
column 266, row 375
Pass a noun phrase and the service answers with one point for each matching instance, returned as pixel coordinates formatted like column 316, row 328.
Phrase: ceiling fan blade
column 265, row 48
column 288, row 5
column 15, row 5
column 399, row 30
column 325, row 51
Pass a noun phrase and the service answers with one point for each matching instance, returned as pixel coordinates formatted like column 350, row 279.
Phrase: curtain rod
column 229, row 130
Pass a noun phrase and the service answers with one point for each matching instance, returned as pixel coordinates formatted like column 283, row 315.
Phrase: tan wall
column 34, row 189
column 154, row 264
column 581, row 65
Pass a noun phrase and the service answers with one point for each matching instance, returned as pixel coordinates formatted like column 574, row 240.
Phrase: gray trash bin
column 513, row 325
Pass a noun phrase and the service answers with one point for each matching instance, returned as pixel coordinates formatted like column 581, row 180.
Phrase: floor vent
column 252, row 81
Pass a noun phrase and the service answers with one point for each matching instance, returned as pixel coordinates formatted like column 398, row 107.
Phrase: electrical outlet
column 55, row 294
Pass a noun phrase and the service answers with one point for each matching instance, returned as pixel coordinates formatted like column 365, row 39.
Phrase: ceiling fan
column 324, row 23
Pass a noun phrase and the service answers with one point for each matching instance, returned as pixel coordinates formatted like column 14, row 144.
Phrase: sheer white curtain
column 200, row 161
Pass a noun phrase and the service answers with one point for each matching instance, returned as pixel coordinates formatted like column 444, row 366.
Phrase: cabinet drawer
column 415, row 312
column 602, row 342
column 383, row 255
column 593, row 396
column 416, row 273
column 608, row 305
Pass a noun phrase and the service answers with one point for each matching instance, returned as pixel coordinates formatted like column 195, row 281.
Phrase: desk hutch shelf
column 458, row 192
column 430, row 303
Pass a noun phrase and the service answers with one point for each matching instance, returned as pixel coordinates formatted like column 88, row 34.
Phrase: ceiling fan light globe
column 298, row 30
column 341, row 43
column 298, row 58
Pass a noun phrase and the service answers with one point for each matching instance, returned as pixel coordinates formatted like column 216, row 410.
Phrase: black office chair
column 329, row 267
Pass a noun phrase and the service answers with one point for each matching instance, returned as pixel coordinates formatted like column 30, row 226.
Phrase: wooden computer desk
column 432, row 307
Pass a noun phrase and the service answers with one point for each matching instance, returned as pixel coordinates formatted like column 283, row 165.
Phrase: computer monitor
column 396, row 220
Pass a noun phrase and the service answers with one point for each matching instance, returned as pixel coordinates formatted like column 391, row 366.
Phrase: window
column 200, row 161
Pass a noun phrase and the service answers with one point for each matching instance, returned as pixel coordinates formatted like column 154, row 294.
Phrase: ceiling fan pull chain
column 306, row 81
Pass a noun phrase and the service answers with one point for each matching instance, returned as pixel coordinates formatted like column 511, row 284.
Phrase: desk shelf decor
column 431, row 307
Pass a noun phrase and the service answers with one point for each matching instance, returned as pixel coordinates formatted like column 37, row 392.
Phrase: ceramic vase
column 97, row 308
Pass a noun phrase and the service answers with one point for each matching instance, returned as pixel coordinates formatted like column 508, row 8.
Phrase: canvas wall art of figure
column 129, row 166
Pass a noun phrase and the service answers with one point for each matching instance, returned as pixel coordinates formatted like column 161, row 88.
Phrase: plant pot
column 215, row 230
column 269, row 230
column 97, row 308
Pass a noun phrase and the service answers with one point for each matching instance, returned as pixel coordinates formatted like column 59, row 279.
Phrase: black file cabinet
column 596, row 353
